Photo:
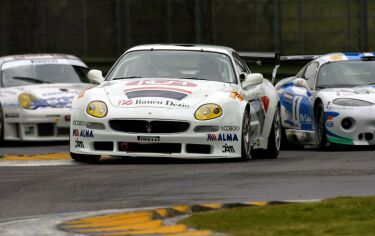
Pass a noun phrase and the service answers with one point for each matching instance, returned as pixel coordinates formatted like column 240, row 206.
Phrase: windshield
column 43, row 73
column 174, row 64
column 346, row 74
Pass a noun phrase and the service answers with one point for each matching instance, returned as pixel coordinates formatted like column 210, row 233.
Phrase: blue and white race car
column 330, row 100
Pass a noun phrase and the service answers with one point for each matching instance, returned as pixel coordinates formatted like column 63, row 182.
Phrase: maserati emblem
column 148, row 127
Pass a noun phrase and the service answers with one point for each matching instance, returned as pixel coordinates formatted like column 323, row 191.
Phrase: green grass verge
column 339, row 216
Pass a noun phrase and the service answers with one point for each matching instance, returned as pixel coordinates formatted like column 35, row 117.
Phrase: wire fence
column 102, row 29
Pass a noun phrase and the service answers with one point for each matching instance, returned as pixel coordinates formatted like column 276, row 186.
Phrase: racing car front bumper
column 350, row 125
column 217, row 138
column 37, row 125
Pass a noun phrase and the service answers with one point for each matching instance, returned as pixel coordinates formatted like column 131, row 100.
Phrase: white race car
column 36, row 94
column 331, row 100
column 181, row 101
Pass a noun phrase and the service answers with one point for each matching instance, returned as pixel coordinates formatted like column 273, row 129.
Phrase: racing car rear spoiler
column 275, row 58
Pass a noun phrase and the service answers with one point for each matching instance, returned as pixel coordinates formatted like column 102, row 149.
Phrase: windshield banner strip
column 34, row 62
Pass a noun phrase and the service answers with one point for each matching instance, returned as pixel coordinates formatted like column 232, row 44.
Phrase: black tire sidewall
column 321, row 137
column 245, row 156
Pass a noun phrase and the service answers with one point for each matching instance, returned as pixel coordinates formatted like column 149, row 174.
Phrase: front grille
column 150, row 147
column 144, row 126
column 63, row 131
column 198, row 148
column 103, row 146
column 46, row 129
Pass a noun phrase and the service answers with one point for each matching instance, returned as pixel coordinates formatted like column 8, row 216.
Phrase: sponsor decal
column 305, row 118
column 330, row 107
column 81, row 94
column 330, row 124
column 79, row 144
column 125, row 102
column 226, row 148
column 299, row 113
column 336, row 57
column 167, row 103
column 12, row 115
column 148, row 138
column 177, row 83
column 159, row 88
column 59, row 93
column 85, row 133
column 342, row 108
column 236, row 95
column 329, row 117
column 232, row 128
column 222, row 137
column 10, row 105
column 79, row 122
column 61, row 102
column 29, row 130
column 171, row 93
column 44, row 61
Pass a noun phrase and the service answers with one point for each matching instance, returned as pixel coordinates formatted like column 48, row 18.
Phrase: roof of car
column 349, row 56
column 187, row 47
column 36, row 56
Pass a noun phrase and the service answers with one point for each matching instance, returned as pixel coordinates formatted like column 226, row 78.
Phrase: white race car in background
column 36, row 94
column 182, row 101
column 331, row 100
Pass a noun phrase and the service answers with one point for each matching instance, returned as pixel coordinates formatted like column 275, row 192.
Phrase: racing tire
column 1, row 126
column 85, row 158
column 287, row 144
column 246, row 137
column 284, row 140
column 274, row 140
column 320, row 129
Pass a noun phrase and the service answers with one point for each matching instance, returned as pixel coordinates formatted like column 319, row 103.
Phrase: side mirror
column 96, row 76
column 299, row 82
column 252, row 80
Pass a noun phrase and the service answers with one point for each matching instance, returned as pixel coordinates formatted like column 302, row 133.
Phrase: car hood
column 366, row 93
column 47, row 95
column 162, row 93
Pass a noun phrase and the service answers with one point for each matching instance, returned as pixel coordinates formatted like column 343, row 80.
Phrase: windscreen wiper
column 29, row 79
column 127, row 77
column 196, row 78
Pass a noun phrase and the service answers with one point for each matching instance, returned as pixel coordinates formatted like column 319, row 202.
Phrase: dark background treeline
column 100, row 30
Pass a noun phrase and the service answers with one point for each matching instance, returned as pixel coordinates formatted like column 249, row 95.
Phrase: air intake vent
column 144, row 126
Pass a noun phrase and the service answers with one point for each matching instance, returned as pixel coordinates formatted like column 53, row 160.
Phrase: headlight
column 351, row 102
column 97, row 109
column 26, row 100
column 208, row 112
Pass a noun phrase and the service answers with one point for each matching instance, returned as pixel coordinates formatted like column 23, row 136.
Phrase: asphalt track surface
column 116, row 183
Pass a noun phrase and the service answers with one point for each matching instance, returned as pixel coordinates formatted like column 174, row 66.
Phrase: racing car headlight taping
column 351, row 102
column 97, row 109
column 208, row 112
column 26, row 100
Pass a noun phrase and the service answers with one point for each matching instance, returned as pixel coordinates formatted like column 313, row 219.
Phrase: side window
column 301, row 72
column 240, row 64
column 310, row 74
